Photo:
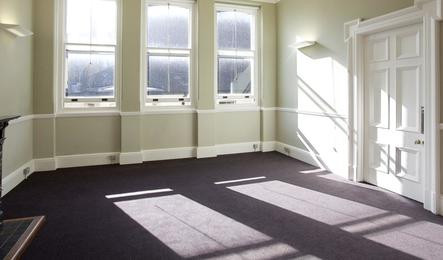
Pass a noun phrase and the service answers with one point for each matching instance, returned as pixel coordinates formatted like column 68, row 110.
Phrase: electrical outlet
column 287, row 150
column 26, row 172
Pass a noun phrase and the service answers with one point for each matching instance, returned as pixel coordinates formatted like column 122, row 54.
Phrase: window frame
column 150, row 102
column 252, row 99
column 86, row 104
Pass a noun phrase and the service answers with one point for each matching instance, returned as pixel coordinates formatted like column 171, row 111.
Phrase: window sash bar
column 168, row 55
column 85, row 51
column 91, row 44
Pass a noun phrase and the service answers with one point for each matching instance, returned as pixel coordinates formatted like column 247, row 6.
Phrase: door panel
column 408, row 164
column 379, row 95
column 379, row 157
column 379, row 47
column 408, row 98
column 408, row 43
column 394, row 143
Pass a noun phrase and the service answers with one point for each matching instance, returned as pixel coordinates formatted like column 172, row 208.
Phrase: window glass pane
column 90, row 74
column 168, row 75
column 157, row 75
column 178, row 27
column 168, row 27
column 234, row 76
column 243, row 31
column 91, row 21
column 234, row 30
column 179, row 75
column 157, row 20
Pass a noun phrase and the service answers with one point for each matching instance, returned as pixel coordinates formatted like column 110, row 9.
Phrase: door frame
column 428, row 12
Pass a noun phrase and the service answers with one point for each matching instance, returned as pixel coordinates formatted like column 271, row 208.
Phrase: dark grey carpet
column 289, row 214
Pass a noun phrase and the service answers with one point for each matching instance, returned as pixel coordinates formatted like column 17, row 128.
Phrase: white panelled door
column 394, row 111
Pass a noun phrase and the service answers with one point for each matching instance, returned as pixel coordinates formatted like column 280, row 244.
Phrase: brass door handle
column 418, row 142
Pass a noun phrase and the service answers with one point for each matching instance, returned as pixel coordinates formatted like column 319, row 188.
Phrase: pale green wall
column 237, row 127
column 18, row 146
column 87, row 135
column 16, row 55
column 16, row 59
column 44, row 57
column 44, row 138
column 169, row 131
column 131, row 56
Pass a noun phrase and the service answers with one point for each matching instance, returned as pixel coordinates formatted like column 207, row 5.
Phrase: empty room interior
column 221, row 129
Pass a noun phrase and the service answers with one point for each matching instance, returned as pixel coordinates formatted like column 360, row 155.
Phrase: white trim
column 311, row 113
column 238, row 148
column 167, row 111
column 78, row 160
column 16, row 177
column 169, row 154
column 43, row 116
column 130, row 114
column 45, row 164
column 206, row 152
column 268, row 146
column 131, row 158
column 82, row 160
column 299, row 154
column 87, row 114
column 265, row 109
column 429, row 12
column 21, row 119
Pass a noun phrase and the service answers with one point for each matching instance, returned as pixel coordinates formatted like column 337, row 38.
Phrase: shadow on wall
column 322, row 105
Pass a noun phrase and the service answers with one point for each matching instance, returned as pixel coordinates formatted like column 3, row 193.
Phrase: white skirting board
column 268, row 146
column 70, row 161
column 251, row 147
column 206, row 152
column 45, row 164
column 298, row 154
column 169, row 154
column 131, row 158
column 16, row 177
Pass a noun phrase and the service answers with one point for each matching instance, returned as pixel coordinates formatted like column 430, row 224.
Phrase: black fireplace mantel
column 4, row 122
